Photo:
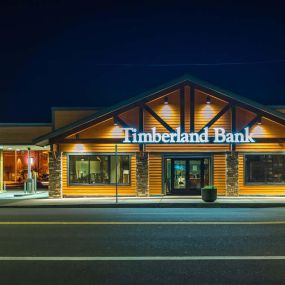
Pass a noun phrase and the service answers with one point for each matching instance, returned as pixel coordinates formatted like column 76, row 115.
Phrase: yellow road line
column 138, row 258
column 143, row 223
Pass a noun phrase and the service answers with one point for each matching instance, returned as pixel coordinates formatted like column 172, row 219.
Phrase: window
column 99, row 169
column 265, row 169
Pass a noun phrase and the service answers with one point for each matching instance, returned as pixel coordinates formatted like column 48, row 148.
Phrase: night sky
column 79, row 53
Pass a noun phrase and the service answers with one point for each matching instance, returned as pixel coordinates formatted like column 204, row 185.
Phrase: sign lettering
column 220, row 136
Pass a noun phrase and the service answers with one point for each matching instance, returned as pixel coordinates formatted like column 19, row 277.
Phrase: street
column 142, row 246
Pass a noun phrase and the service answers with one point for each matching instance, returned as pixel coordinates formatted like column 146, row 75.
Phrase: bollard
column 35, row 183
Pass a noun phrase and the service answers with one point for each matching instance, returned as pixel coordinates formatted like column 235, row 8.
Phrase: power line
column 193, row 64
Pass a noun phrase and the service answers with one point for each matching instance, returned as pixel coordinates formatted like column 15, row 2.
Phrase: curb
column 154, row 205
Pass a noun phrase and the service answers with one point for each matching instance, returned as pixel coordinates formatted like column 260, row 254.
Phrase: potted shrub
column 209, row 193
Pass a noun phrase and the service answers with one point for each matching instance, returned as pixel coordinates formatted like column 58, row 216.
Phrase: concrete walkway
column 41, row 201
column 19, row 194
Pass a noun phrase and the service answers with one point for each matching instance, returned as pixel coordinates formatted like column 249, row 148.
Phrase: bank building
column 172, row 140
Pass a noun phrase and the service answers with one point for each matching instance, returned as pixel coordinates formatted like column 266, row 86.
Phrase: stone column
column 232, row 187
column 55, row 175
column 142, row 173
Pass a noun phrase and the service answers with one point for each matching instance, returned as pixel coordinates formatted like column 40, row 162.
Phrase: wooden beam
column 182, row 109
column 121, row 122
column 159, row 119
column 252, row 122
column 233, row 119
column 217, row 117
column 120, row 110
column 192, row 109
column 238, row 104
column 120, row 140
column 141, row 124
column 90, row 141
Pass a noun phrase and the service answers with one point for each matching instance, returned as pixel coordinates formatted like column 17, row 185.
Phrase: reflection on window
column 123, row 171
column 99, row 169
column 266, row 169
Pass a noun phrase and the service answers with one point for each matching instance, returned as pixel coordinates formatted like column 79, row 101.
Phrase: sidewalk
column 149, row 202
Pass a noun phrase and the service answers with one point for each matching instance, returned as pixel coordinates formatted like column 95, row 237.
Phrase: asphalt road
column 142, row 246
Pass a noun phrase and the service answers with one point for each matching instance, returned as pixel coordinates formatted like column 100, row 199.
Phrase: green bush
column 210, row 187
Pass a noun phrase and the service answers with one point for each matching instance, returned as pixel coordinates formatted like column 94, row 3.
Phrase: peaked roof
column 172, row 85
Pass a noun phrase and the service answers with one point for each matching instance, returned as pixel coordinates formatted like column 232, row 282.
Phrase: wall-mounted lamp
column 208, row 100
column 165, row 100
column 115, row 122
column 259, row 121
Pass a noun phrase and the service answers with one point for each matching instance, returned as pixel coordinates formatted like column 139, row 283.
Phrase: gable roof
column 156, row 92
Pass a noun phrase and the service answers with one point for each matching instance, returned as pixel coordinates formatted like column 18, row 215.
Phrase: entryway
column 186, row 176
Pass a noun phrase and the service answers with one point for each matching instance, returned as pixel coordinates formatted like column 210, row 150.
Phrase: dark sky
column 79, row 53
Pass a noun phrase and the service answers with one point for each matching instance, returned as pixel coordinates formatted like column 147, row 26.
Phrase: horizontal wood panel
column 220, row 173
column 105, row 190
column 98, row 148
column 270, row 190
column 187, row 147
column 261, row 147
column 268, row 129
column 155, row 174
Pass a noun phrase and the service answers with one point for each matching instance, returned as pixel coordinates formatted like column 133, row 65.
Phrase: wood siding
column 98, row 148
column 219, row 171
column 244, row 189
column 261, row 147
column 102, row 190
column 155, row 174
column 17, row 135
column 187, row 147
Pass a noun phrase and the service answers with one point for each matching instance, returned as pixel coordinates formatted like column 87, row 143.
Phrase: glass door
column 195, row 176
column 186, row 176
column 179, row 174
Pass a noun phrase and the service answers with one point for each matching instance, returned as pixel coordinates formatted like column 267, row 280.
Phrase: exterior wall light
column 259, row 121
column 115, row 122
column 165, row 100
column 208, row 100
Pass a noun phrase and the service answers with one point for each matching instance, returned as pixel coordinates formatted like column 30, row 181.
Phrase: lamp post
column 29, row 180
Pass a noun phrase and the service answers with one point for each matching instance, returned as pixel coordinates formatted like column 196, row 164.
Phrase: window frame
column 245, row 173
column 109, row 169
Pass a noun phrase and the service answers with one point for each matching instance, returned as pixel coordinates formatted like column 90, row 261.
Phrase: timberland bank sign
column 220, row 136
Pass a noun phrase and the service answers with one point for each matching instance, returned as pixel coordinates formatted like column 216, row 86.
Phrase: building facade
column 172, row 140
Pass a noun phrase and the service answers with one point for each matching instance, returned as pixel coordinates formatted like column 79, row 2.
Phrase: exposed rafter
column 217, row 117
column 252, row 122
column 141, row 124
column 192, row 109
column 182, row 109
column 159, row 119
column 233, row 120
column 121, row 122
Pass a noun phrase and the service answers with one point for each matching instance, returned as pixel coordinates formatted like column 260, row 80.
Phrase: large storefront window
column 99, row 169
column 265, row 169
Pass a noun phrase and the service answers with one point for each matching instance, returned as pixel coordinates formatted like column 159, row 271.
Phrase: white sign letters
column 220, row 136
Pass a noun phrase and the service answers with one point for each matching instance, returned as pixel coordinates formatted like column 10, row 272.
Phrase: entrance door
column 186, row 176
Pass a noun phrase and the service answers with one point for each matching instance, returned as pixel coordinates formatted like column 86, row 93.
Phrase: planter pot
column 209, row 194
